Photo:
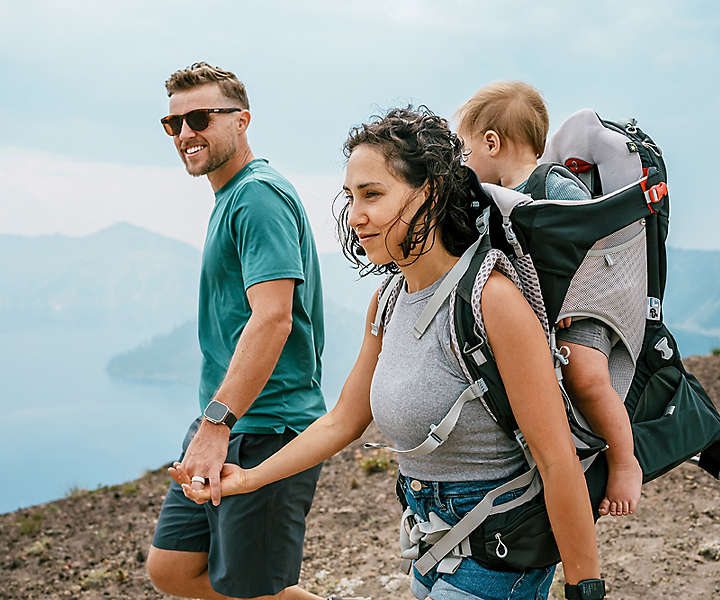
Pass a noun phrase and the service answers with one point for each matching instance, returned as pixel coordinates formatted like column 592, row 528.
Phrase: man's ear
column 243, row 120
column 492, row 141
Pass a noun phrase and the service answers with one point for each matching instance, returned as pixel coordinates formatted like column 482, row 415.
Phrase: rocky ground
column 93, row 544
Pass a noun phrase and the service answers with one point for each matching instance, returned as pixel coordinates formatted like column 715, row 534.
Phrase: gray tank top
column 415, row 384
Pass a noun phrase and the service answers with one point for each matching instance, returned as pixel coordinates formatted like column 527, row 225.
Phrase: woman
column 407, row 209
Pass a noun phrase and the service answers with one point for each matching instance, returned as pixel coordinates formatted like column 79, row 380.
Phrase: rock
column 710, row 551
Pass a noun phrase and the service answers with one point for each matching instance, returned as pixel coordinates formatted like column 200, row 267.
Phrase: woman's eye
column 349, row 199
column 370, row 194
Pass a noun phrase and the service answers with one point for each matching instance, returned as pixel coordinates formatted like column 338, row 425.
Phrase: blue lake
column 67, row 424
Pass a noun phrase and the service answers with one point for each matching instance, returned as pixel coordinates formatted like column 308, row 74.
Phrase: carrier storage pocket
column 525, row 542
column 672, row 422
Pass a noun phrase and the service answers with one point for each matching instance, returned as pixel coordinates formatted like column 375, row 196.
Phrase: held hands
column 233, row 480
column 204, row 459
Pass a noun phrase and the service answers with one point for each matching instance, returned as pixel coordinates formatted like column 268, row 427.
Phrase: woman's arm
column 524, row 362
column 326, row 436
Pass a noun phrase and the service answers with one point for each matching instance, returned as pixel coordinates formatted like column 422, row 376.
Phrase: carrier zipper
column 501, row 551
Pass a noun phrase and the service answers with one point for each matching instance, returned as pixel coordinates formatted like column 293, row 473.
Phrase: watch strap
column 587, row 589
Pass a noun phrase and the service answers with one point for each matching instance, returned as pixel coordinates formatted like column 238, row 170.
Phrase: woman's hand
column 233, row 480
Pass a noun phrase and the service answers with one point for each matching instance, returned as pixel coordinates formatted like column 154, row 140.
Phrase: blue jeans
column 451, row 501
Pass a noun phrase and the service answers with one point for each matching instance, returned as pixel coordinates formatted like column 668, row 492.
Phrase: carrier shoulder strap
column 475, row 354
column 448, row 284
column 536, row 185
column 385, row 293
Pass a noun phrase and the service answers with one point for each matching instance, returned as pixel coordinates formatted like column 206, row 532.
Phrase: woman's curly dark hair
column 419, row 148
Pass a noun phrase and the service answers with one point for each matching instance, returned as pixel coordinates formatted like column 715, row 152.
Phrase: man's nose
column 186, row 131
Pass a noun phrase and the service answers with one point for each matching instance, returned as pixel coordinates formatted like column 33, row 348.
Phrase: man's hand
column 205, row 456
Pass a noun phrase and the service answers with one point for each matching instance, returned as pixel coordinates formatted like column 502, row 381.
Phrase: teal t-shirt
column 258, row 231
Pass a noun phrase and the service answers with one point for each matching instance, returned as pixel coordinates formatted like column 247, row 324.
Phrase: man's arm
column 253, row 361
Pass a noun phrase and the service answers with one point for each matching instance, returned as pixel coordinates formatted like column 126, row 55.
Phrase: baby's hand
column 564, row 323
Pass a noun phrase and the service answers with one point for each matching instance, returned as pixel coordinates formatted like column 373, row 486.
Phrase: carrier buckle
column 562, row 355
column 655, row 194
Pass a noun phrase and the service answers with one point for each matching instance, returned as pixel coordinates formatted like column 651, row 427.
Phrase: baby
column 504, row 127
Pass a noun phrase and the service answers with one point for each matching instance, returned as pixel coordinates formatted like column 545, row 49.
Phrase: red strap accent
column 658, row 192
column 643, row 183
column 577, row 165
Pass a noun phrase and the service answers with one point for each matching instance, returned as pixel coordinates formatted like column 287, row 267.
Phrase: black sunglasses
column 197, row 119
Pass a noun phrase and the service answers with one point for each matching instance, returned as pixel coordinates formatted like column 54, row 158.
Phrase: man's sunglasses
column 197, row 120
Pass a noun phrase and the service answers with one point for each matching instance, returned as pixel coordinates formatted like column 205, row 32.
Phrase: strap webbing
column 446, row 287
column 472, row 520
column 439, row 433
column 477, row 515
column 382, row 303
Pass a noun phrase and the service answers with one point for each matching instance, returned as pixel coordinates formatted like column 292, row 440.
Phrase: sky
column 82, row 93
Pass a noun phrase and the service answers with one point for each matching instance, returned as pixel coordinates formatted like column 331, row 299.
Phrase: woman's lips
column 366, row 238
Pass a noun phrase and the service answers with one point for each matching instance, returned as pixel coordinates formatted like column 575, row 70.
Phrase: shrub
column 377, row 462
column 30, row 522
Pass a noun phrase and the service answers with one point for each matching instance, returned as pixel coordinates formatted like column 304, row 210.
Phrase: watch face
column 216, row 411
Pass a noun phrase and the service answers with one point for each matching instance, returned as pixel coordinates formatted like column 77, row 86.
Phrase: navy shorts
column 254, row 541
column 451, row 501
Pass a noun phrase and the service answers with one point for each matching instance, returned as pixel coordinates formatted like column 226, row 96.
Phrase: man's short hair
column 512, row 109
column 201, row 73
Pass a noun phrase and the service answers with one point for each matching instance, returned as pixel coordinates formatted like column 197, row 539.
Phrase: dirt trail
column 93, row 544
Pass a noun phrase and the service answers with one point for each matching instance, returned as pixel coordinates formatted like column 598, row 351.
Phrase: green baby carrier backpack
column 604, row 258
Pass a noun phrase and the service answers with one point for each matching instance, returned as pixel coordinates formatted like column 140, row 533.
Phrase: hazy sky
column 82, row 92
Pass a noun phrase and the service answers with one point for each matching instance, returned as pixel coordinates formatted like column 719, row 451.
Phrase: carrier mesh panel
column 531, row 289
column 622, row 370
column 495, row 259
column 621, row 236
column 611, row 284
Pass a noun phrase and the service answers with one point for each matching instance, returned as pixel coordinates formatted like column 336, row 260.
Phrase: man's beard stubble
column 217, row 157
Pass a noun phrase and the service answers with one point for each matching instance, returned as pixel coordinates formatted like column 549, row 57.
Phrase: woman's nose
column 356, row 217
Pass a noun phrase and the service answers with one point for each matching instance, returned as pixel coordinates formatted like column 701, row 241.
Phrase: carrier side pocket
column 671, row 424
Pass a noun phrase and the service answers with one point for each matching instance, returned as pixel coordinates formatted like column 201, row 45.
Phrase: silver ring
column 198, row 479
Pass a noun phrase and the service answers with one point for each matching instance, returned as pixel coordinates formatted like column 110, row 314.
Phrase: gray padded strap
column 382, row 303
column 446, row 287
column 439, row 433
column 472, row 520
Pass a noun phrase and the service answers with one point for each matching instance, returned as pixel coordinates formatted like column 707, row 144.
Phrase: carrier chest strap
column 439, row 433
column 472, row 520
column 444, row 290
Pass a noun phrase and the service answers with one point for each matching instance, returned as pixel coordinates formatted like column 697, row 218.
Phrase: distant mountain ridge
column 124, row 274
column 128, row 275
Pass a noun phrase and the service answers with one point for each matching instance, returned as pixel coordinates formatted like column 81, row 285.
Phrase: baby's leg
column 588, row 382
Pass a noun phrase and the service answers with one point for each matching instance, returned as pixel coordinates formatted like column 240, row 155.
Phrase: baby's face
column 478, row 157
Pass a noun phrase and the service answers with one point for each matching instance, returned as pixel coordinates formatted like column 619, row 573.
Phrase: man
column 260, row 328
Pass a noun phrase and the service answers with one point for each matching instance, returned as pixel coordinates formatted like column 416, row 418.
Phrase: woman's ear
column 492, row 141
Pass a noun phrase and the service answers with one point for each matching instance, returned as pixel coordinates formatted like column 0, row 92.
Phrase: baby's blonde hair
column 513, row 109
